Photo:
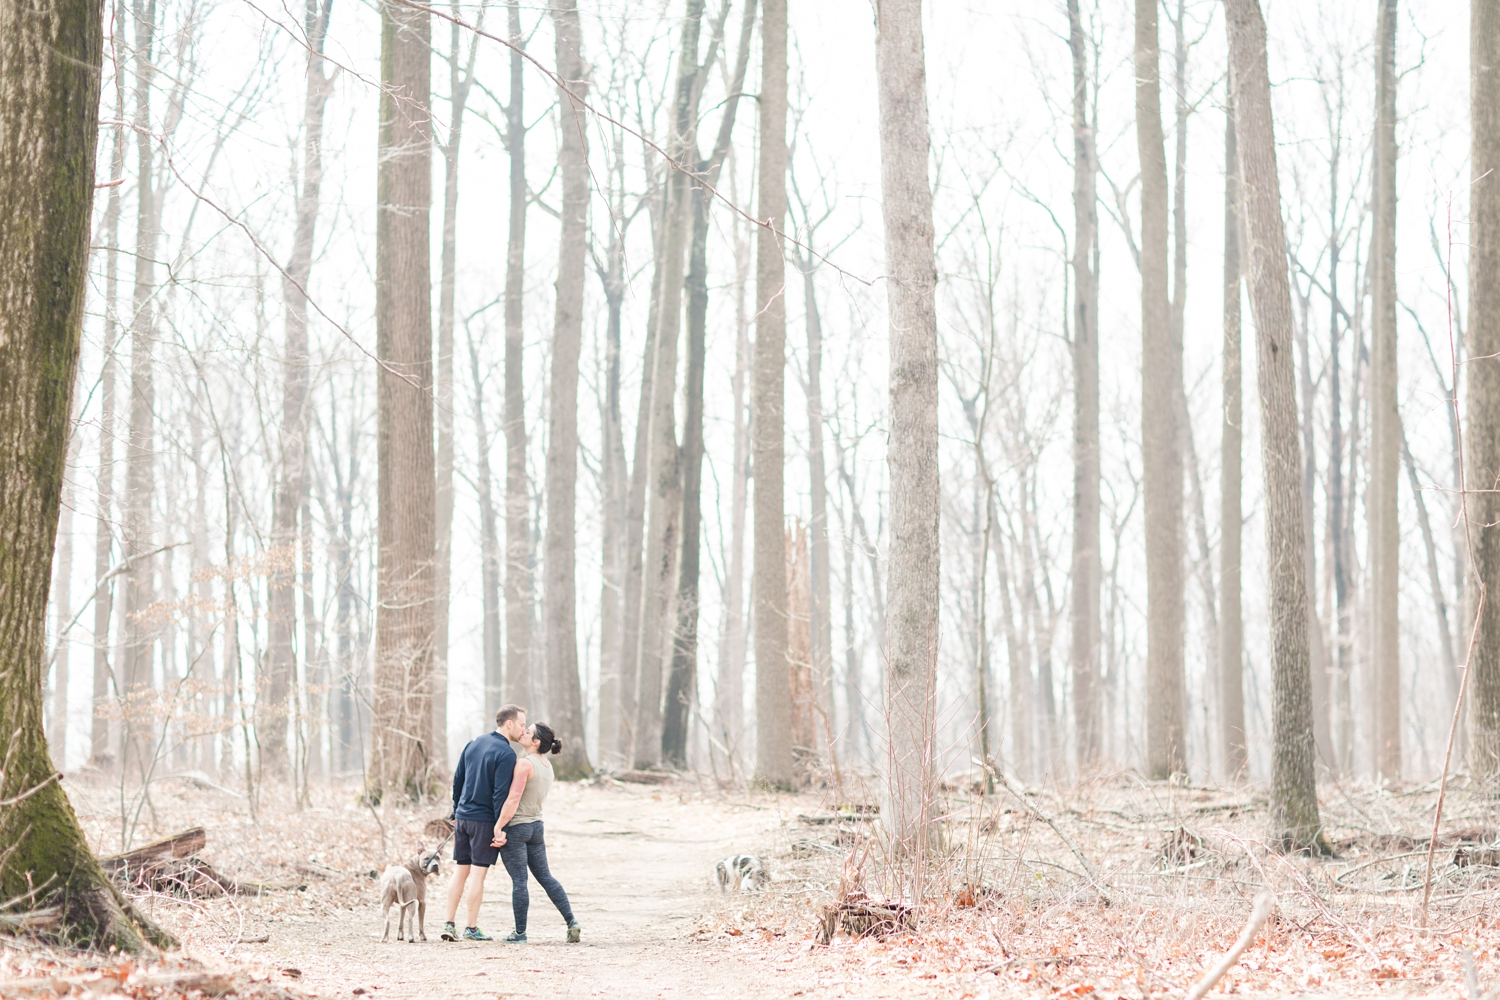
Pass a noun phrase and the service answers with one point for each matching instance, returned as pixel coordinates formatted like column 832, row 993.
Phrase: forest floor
column 1116, row 888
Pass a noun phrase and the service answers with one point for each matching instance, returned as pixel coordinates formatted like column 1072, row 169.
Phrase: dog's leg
column 385, row 914
column 422, row 918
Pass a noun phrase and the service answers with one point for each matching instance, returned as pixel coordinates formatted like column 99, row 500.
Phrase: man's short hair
column 508, row 712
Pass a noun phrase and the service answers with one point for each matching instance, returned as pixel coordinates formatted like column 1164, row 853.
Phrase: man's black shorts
column 471, row 843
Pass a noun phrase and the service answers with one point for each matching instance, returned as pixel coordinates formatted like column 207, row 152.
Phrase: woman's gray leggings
column 524, row 848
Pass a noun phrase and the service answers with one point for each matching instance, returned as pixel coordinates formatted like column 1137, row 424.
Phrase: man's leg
column 456, row 890
column 476, row 895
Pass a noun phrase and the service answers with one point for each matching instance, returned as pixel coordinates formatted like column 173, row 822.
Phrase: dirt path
column 636, row 865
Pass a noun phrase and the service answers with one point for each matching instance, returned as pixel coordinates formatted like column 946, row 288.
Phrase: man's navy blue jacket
column 482, row 779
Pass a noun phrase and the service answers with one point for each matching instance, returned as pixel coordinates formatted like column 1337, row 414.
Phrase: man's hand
column 499, row 840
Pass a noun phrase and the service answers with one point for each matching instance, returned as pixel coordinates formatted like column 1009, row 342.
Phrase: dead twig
column 1032, row 808
column 1263, row 904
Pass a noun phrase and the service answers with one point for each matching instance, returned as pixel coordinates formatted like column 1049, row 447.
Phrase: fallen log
column 183, row 845
column 859, row 916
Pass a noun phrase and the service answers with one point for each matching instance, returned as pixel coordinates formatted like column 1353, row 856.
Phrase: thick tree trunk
column 1482, row 419
column 1231, row 516
column 915, row 500
column 101, row 754
column 282, row 612
column 1294, row 801
column 682, row 679
column 49, row 101
column 402, row 757
column 1083, row 653
column 517, row 494
column 1161, row 379
column 460, row 81
column 773, row 710
column 136, row 652
column 1385, row 418
column 564, row 692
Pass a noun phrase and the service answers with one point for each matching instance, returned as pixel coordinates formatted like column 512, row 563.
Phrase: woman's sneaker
column 515, row 938
column 450, row 933
column 574, row 932
column 475, row 934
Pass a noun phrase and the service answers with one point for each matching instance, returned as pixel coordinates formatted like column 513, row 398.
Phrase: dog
column 742, row 871
column 405, row 885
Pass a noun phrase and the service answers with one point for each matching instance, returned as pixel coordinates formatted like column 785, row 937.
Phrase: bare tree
column 401, row 758
column 292, row 475
column 50, row 55
column 1231, row 516
column 1482, row 415
column 911, row 269
column 566, row 699
column 1385, row 418
column 517, row 494
column 1161, row 380
column 773, row 751
column 1294, row 801
column 1084, row 615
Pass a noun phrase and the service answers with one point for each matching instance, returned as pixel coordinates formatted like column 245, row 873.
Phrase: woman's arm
column 517, row 786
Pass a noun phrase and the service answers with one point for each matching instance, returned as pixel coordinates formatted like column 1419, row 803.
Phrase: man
column 481, row 784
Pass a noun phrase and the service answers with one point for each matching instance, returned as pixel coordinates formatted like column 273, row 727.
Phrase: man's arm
column 458, row 778
column 517, row 786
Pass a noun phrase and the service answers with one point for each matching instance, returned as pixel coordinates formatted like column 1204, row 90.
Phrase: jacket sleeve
column 504, row 769
column 458, row 777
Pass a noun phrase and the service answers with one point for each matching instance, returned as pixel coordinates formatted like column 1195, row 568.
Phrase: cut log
column 858, row 916
column 643, row 777
column 183, row 845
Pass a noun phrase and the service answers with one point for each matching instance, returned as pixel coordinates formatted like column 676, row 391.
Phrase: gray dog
column 405, row 885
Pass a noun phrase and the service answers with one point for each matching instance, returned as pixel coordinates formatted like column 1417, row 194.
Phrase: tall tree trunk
column 1161, row 381
column 773, row 709
column 663, row 523
column 912, row 605
column 1343, row 748
column 1231, row 516
column 282, row 613
column 489, row 535
column 820, row 596
column 566, row 698
column 402, row 758
column 729, row 695
column 101, row 755
column 1385, row 419
column 62, row 609
column 50, row 53
column 1294, row 802
column 682, row 679
column 136, row 649
column 517, row 495
column 460, row 80
column 614, row 476
column 1084, row 614
column 1482, row 423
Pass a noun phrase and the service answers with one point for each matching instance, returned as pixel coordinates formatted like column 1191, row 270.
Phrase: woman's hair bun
column 546, row 739
column 556, row 745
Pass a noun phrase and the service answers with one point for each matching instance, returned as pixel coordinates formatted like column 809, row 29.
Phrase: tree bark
column 1482, row 419
column 682, row 679
column 460, row 81
column 517, row 497
column 50, row 53
column 566, row 699
column 773, row 709
column 1231, row 515
column 282, row 587
column 136, row 652
column 1385, row 418
column 1084, row 612
column 1161, row 379
column 402, row 758
column 1294, row 801
column 915, row 499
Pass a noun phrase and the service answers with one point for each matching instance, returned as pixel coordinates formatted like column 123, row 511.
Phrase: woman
column 521, row 844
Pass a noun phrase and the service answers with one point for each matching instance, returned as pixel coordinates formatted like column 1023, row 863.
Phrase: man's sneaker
column 475, row 934
column 515, row 937
column 450, row 933
column 574, row 932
